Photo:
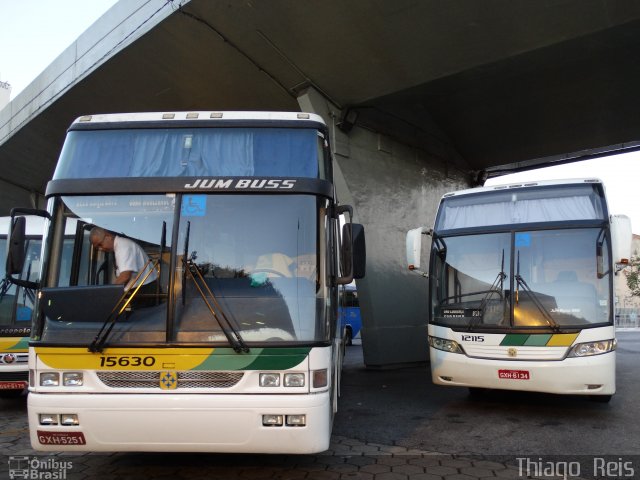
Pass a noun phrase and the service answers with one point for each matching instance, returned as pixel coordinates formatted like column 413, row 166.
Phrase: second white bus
column 521, row 288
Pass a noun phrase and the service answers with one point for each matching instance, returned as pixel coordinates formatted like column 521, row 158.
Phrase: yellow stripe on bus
column 9, row 344
column 562, row 339
column 123, row 358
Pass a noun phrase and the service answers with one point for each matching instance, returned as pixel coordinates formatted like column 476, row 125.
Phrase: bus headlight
column 272, row 420
column 445, row 345
column 588, row 349
column 296, row 420
column 48, row 419
column 294, row 379
column 72, row 379
column 69, row 419
column 49, row 379
column 269, row 379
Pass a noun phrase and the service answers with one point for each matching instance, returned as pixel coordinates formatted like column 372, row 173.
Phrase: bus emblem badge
column 9, row 358
column 512, row 352
column 168, row 380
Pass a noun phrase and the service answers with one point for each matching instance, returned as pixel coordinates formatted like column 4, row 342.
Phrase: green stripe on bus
column 256, row 359
column 23, row 345
column 514, row 340
column 537, row 340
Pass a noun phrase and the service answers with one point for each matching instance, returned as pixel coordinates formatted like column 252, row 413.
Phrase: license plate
column 61, row 438
column 514, row 374
column 13, row 385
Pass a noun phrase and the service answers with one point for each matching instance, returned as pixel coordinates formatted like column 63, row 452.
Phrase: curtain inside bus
column 190, row 152
column 579, row 202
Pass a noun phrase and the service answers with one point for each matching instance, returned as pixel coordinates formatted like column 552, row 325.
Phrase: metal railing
column 627, row 317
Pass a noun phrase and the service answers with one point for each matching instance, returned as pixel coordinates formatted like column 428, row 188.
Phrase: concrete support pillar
column 393, row 188
column 15, row 196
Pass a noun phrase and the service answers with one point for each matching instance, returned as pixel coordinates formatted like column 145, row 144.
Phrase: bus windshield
column 255, row 263
column 523, row 279
column 17, row 302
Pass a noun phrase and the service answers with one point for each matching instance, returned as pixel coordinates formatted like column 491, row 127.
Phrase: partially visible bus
column 521, row 288
column 16, row 307
column 237, row 348
column 349, row 311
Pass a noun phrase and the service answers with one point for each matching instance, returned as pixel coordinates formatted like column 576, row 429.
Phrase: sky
column 34, row 32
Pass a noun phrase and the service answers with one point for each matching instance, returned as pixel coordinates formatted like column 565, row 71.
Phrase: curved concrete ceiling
column 503, row 83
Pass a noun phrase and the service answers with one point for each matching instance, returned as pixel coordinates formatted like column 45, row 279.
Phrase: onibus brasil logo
column 38, row 468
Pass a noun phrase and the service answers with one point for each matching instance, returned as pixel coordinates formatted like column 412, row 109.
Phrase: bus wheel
column 348, row 336
column 600, row 398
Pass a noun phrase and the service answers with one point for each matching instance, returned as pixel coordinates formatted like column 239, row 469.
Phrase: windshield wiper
column 442, row 247
column 28, row 292
column 5, row 285
column 532, row 295
column 496, row 287
column 97, row 345
column 189, row 267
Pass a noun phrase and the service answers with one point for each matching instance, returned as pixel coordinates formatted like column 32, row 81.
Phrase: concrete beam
column 117, row 29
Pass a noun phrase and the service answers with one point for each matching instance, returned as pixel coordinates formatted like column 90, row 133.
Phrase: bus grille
column 14, row 376
column 521, row 352
column 186, row 379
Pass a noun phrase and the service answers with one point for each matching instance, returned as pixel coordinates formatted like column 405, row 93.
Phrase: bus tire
column 348, row 336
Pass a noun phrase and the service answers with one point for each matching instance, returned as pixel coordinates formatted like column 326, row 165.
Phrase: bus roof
column 199, row 116
column 541, row 183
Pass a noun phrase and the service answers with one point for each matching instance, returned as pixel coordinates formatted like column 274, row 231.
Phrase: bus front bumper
column 180, row 423
column 593, row 375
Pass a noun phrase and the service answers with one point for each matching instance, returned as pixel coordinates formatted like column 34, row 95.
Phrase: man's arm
column 123, row 278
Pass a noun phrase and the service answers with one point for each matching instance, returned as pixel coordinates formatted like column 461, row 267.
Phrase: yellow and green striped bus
column 225, row 337
column 16, row 307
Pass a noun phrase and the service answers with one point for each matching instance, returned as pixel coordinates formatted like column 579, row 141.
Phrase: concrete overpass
column 422, row 97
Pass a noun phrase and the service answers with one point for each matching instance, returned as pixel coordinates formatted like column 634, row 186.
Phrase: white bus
column 236, row 348
column 521, row 288
column 16, row 306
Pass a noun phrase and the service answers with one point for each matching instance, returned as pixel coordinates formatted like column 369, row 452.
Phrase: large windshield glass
column 258, row 257
column 253, row 264
column 184, row 152
column 471, row 280
column 551, row 280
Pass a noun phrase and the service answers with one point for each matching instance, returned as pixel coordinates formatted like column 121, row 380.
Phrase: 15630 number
column 127, row 361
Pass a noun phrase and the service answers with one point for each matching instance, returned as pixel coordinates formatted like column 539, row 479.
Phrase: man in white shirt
column 130, row 259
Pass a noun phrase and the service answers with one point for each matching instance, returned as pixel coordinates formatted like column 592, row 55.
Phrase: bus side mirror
column 359, row 251
column 16, row 252
column 353, row 256
column 414, row 247
column 621, row 238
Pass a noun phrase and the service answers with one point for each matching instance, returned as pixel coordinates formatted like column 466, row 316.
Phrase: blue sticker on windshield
column 523, row 239
column 23, row 314
column 194, row 205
